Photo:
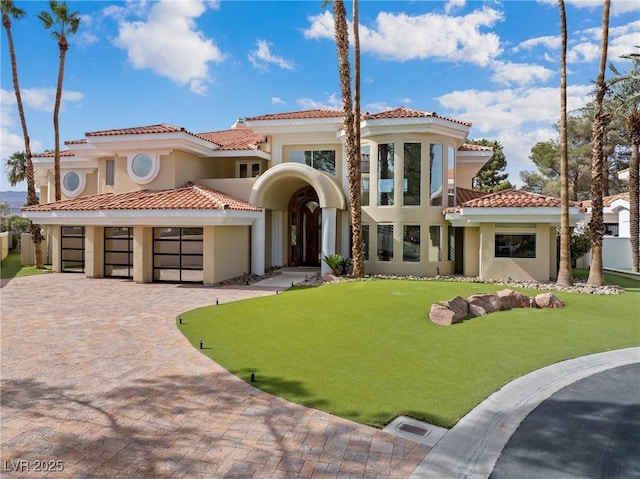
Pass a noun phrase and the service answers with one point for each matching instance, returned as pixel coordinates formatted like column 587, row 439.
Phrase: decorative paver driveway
column 98, row 381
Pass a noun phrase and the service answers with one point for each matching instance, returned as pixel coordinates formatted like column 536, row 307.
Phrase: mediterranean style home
column 160, row 203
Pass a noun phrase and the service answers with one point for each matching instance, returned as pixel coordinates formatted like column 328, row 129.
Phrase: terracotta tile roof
column 51, row 154
column 242, row 138
column 142, row 130
column 403, row 112
column 463, row 194
column 607, row 201
column 509, row 199
column 470, row 147
column 298, row 115
column 76, row 142
column 192, row 196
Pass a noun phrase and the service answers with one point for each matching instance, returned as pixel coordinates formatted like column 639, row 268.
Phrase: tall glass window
column 385, row 242
column 435, row 175
column 385, row 174
column 451, row 176
column 411, row 243
column 412, row 172
column 323, row 160
column 365, row 165
column 435, row 243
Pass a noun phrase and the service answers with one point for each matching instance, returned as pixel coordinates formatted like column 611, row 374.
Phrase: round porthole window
column 142, row 168
column 72, row 183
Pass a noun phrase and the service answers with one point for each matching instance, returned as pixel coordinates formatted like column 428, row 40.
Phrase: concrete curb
column 472, row 447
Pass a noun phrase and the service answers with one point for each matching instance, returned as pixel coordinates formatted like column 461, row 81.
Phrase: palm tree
column 16, row 168
column 10, row 10
column 355, row 167
column 565, row 277
column 600, row 122
column 353, row 153
column 627, row 104
column 62, row 23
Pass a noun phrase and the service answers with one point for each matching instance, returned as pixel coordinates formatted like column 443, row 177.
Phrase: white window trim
column 82, row 183
column 249, row 164
column 155, row 167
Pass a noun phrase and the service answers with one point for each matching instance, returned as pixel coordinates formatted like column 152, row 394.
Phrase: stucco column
column 328, row 236
column 258, row 245
column 56, row 238
column 142, row 254
column 94, row 251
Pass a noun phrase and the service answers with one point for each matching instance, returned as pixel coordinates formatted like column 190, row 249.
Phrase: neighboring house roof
column 236, row 139
column 192, row 196
column 509, row 198
column 607, row 201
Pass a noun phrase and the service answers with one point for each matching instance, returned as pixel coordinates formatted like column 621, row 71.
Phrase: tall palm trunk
column 36, row 233
column 353, row 156
column 63, row 46
column 357, row 254
column 633, row 127
column 601, row 120
column 565, row 277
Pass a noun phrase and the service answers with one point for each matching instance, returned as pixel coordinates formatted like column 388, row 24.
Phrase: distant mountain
column 16, row 200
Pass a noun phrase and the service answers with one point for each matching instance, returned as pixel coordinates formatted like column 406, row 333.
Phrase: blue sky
column 202, row 64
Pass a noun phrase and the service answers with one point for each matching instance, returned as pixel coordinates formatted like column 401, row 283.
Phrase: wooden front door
column 305, row 221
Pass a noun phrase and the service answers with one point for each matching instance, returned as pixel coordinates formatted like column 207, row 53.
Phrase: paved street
column 95, row 375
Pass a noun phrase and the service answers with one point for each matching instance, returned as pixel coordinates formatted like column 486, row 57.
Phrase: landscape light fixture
column 253, row 375
column 201, row 344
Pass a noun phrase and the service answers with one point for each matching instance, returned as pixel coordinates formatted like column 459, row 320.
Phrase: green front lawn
column 367, row 352
column 11, row 267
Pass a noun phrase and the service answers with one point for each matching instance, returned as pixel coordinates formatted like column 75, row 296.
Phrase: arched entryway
column 305, row 228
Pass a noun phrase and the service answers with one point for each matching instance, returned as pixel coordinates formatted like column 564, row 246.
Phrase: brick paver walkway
column 96, row 375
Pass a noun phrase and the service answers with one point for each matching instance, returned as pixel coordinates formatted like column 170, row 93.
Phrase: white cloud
column 401, row 37
column 333, row 102
column 519, row 74
column 548, row 41
column 453, row 5
column 583, row 53
column 405, row 101
column 41, row 99
column 169, row 44
column 277, row 101
column 518, row 118
column 618, row 7
column 262, row 57
column 376, row 107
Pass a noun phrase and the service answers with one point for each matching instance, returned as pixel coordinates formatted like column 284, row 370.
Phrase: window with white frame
column 322, row 160
column 110, row 172
column 143, row 168
column 248, row 169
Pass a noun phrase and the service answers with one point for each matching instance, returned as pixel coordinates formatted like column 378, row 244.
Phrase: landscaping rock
column 440, row 314
column 513, row 299
column 548, row 300
column 459, row 306
column 481, row 304
column 330, row 278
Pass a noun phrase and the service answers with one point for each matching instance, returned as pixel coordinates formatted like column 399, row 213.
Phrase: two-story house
column 159, row 203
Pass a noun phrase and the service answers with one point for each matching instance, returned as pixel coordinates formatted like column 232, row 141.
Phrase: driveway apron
column 97, row 382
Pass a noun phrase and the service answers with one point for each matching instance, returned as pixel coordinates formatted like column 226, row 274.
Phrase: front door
column 305, row 221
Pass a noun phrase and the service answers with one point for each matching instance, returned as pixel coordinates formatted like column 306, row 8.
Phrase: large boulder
column 440, row 314
column 459, row 306
column 513, row 299
column 548, row 300
column 481, row 304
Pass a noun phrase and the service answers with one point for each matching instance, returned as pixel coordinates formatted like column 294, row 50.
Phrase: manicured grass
column 11, row 268
column 367, row 352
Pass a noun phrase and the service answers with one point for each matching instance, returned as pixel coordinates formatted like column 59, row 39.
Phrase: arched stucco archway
column 274, row 190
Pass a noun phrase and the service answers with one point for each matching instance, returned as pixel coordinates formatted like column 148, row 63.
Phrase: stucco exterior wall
column 471, row 262
column 4, row 244
column 142, row 254
column 521, row 269
column 218, row 242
